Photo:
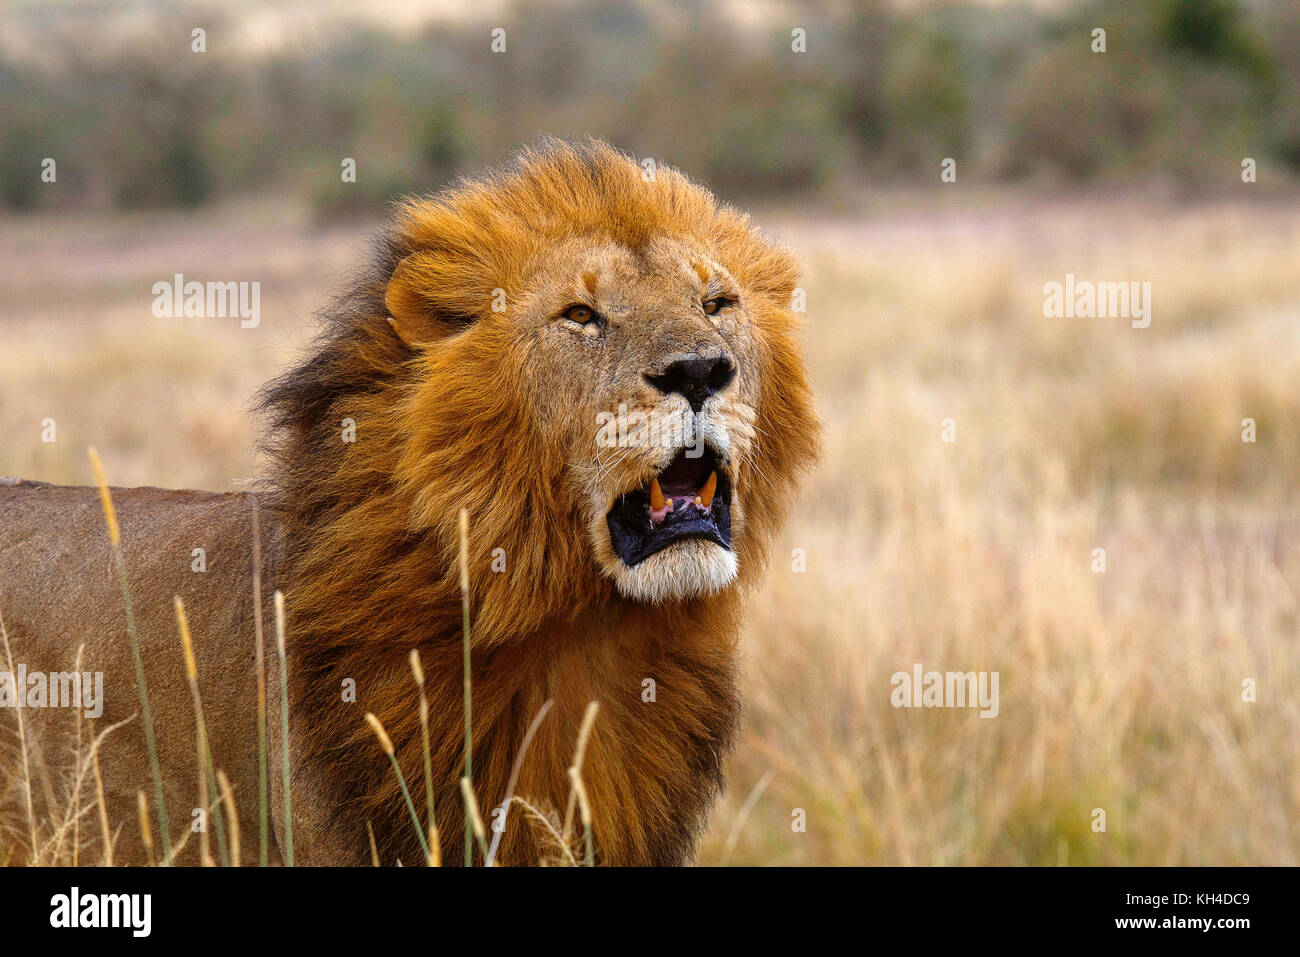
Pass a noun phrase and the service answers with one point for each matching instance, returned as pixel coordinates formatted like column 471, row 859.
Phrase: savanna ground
column 1120, row 690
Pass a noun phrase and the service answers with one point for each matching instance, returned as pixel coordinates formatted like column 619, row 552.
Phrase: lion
column 599, row 365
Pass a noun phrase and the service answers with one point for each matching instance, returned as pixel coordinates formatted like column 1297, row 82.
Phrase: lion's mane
column 370, row 531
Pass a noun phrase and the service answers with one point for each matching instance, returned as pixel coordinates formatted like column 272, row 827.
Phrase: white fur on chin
column 691, row 568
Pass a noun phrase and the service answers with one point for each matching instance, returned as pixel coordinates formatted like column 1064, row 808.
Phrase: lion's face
column 606, row 379
column 650, row 364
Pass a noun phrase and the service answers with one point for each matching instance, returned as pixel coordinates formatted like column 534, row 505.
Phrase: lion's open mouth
column 691, row 498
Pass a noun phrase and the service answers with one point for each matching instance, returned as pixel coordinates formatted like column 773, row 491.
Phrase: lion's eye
column 716, row 304
column 584, row 319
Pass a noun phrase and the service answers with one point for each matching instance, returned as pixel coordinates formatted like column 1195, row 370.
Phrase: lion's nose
column 695, row 376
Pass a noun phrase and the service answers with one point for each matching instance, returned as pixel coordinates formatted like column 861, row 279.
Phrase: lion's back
column 59, row 591
column 54, row 546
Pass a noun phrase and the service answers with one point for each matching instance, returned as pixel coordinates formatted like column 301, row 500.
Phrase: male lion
column 494, row 359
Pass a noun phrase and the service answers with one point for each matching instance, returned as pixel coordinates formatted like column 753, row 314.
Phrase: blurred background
column 413, row 92
column 1120, row 689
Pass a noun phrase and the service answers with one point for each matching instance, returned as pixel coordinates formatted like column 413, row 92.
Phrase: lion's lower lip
column 637, row 531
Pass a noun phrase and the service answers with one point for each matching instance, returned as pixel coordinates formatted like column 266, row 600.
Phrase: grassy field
column 1120, row 690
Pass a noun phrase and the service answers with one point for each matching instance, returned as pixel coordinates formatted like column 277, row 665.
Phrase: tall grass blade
column 208, row 794
column 263, row 804
column 386, row 743
column 104, row 831
column 579, row 754
column 514, row 777
column 115, row 539
column 472, row 815
column 22, row 745
column 435, row 845
column 374, row 848
column 584, row 812
column 469, row 734
column 228, row 797
column 738, row 825
column 146, row 832
column 284, row 725
column 76, row 794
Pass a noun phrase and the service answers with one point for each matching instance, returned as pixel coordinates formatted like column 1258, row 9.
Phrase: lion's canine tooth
column 656, row 495
column 705, row 497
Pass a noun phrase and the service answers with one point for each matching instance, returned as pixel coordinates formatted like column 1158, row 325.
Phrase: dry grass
column 1119, row 690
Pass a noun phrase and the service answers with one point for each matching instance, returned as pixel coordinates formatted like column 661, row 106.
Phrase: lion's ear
column 429, row 297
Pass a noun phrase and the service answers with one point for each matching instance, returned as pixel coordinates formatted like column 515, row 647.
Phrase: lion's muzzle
column 691, row 498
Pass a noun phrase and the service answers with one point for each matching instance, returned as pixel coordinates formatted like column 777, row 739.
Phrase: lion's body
column 58, row 590
column 456, row 404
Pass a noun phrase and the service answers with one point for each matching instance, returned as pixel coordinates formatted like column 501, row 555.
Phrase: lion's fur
column 58, row 591
column 452, row 411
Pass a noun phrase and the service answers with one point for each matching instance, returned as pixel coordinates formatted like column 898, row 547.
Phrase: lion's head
column 595, row 359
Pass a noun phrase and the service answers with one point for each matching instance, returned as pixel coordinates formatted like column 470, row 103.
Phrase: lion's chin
column 688, row 568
